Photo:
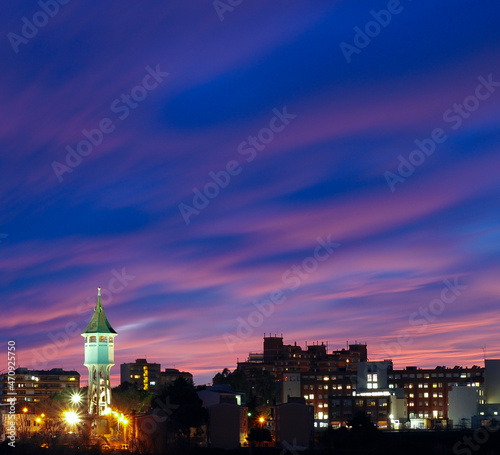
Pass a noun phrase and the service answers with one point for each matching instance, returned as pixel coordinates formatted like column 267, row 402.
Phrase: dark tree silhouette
column 258, row 436
column 236, row 379
column 186, row 408
column 127, row 397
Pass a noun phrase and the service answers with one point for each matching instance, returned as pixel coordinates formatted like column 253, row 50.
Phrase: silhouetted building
column 294, row 425
column 227, row 426
column 145, row 375
column 221, row 393
column 170, row 375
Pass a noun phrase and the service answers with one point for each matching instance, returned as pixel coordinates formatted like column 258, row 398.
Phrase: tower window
column 93, row 339
column 103, row 339
column 111, row 339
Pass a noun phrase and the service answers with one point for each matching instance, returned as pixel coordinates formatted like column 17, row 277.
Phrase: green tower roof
column 99, row 322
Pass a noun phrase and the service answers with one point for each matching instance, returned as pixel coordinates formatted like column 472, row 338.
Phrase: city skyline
column 325, row 172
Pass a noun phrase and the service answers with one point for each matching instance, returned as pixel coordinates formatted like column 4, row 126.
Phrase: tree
column 186, row 410
column 259, row 435
column 236, row 379
column 127, row 398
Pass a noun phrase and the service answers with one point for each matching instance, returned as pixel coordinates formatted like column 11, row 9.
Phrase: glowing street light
column 71, row 417
column 76, row 398
column 25, row 410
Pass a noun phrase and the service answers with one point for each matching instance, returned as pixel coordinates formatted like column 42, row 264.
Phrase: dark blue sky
column 207, row 189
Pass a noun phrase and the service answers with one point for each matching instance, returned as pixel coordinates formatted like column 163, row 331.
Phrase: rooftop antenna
column 484, row 352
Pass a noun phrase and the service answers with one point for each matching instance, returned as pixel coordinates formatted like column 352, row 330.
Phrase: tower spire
column 99, row 358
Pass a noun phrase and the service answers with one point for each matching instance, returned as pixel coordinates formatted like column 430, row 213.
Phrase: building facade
column 341, row 383
column 427, row 390
column 32, row 386
column 145, row 375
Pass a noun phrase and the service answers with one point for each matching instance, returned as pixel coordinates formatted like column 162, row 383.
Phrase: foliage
column 259, row 436
column 186, row 410
column 236, row 379
column 127, row 398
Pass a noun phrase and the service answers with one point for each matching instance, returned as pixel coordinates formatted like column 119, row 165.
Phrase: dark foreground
column 465, row 442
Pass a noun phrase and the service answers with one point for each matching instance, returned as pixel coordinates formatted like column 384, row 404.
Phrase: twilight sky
column 117, row 120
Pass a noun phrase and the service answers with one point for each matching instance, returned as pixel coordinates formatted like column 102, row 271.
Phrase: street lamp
column 76, row 398
column 71, row 417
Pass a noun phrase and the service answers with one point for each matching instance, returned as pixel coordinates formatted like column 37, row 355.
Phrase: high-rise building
column 312, row 373
column 99, row 358
column 339, row 384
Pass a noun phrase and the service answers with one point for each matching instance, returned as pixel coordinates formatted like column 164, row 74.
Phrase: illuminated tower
column 99, row 358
